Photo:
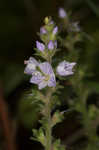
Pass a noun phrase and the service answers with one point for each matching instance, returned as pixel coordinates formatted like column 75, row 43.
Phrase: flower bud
column 50, row 45
column 62, row 13
column 40, row 46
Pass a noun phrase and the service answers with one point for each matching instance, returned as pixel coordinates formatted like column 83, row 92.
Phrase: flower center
column 47, row 77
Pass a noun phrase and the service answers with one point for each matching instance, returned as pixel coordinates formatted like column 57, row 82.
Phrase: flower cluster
column 42, row 72
column 48, row 33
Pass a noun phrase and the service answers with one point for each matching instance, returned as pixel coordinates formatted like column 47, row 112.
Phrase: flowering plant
column 44, row 76
column 55, row 60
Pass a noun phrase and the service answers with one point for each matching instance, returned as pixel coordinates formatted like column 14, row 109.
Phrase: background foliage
column 20, row 21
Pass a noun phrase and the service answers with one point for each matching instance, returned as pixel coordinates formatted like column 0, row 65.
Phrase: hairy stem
column 48, row 126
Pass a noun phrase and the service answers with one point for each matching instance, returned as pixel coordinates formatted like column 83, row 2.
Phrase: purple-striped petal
column 42, row 85
column 44, row 78
column 36, row 78
column 52, row 81
column 65, row 68
column 46, row 68
column 31, row 66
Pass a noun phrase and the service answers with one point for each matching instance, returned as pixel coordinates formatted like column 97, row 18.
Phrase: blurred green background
column 20, row 20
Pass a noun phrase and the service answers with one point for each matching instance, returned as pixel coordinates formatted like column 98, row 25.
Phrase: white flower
column 44, row 78
column 31, row 65
column 65, row 68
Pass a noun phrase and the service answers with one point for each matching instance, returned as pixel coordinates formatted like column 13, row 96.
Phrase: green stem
column 48, row 131
column 48, row 126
